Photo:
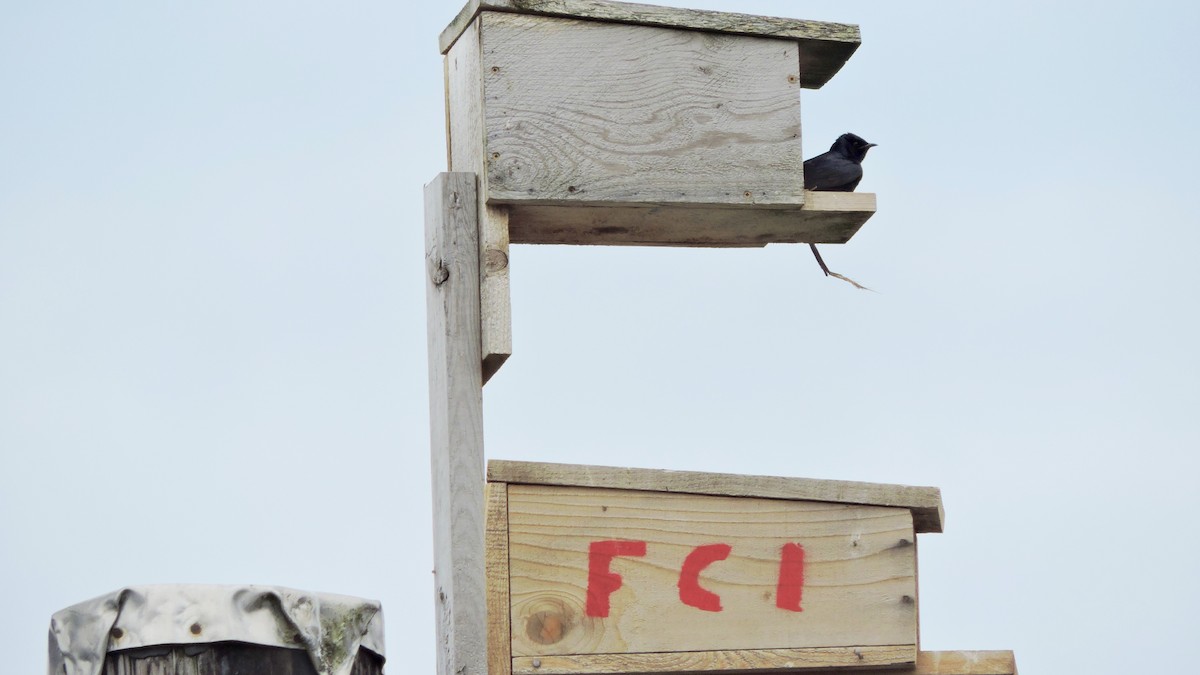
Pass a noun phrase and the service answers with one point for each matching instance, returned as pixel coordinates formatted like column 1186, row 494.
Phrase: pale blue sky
column 212, row 337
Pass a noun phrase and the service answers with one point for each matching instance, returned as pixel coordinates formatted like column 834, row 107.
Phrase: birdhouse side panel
column 579, row 112
column 600, row 571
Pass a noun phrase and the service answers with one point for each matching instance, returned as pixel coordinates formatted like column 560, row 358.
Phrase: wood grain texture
column 499, row 636
column 465, row 143
column 925, row 503
column 966, row 663
column 747, row 661
column 825, row 218
column 580, row 112
column 222, row 658
column 456, row 421
column 917, row 583
column 858, row 589
column 824, row 47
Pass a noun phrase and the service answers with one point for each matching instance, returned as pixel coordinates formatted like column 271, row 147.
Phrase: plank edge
column 722, row 661
column 925, row 503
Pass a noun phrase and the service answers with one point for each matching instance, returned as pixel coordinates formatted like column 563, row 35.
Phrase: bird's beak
column 872, row 145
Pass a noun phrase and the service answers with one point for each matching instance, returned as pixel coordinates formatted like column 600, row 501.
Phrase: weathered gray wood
column 224, row 658
column 456, row 421
column 582, row 112
column 825, row 218
column 824, row 47
column 924, row 502
column 465, row 137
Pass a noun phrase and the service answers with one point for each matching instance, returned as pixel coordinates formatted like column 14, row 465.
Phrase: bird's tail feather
column 828, row 273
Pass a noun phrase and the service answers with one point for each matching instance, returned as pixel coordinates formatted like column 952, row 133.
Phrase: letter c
column 690, row 592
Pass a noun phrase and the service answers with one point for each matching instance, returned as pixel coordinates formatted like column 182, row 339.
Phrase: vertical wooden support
column 494, row 300
column 464, row 127
column 456, row 421
column 499, row 638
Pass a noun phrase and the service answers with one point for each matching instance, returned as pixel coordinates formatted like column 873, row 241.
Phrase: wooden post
column 456, row 421
column 464, row 104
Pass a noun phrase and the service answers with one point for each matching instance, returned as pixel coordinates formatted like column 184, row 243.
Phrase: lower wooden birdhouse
column 593, row 122
column 606, row 570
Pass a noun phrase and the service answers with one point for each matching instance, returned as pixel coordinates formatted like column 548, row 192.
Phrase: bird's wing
column 826, row 172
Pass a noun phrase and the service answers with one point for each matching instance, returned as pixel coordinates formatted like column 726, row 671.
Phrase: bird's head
column 852, row 147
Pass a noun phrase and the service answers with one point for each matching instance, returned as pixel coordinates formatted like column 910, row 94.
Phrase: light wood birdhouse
column 595, row 570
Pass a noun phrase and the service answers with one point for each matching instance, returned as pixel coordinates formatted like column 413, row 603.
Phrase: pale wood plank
column 580, row 112
column 917, row 584
column 741, row 661
column 966, row 663
column 456, row 421
column 825, row 218
column 464, row 103
column 858, row 589
column 499, row 635
column 824, row 47
column 925, row 503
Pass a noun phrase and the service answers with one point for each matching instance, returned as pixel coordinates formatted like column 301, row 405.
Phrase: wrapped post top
column 330, row 628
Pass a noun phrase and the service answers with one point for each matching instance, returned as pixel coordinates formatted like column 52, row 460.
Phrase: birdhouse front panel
column 616, row 581
column 585, row 112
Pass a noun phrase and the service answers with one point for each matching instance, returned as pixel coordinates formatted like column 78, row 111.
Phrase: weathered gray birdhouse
column 594, row 122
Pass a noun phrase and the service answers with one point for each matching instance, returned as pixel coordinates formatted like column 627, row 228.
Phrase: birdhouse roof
column 925, row 503
column 824, row 47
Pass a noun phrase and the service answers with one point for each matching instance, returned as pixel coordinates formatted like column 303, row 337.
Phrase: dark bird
column 840, row 169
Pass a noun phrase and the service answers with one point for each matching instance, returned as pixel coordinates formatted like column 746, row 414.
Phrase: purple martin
column 840, row 169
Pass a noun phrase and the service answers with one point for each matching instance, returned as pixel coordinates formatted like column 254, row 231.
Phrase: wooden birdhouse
column 603, row 570
column 592, row 122
column 595, row 122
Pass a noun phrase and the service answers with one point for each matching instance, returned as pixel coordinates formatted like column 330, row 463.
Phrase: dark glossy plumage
column 840, row 169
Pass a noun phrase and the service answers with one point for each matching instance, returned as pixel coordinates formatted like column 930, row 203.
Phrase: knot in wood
column 550, row 623
column 439, row 273
column 494, row 260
